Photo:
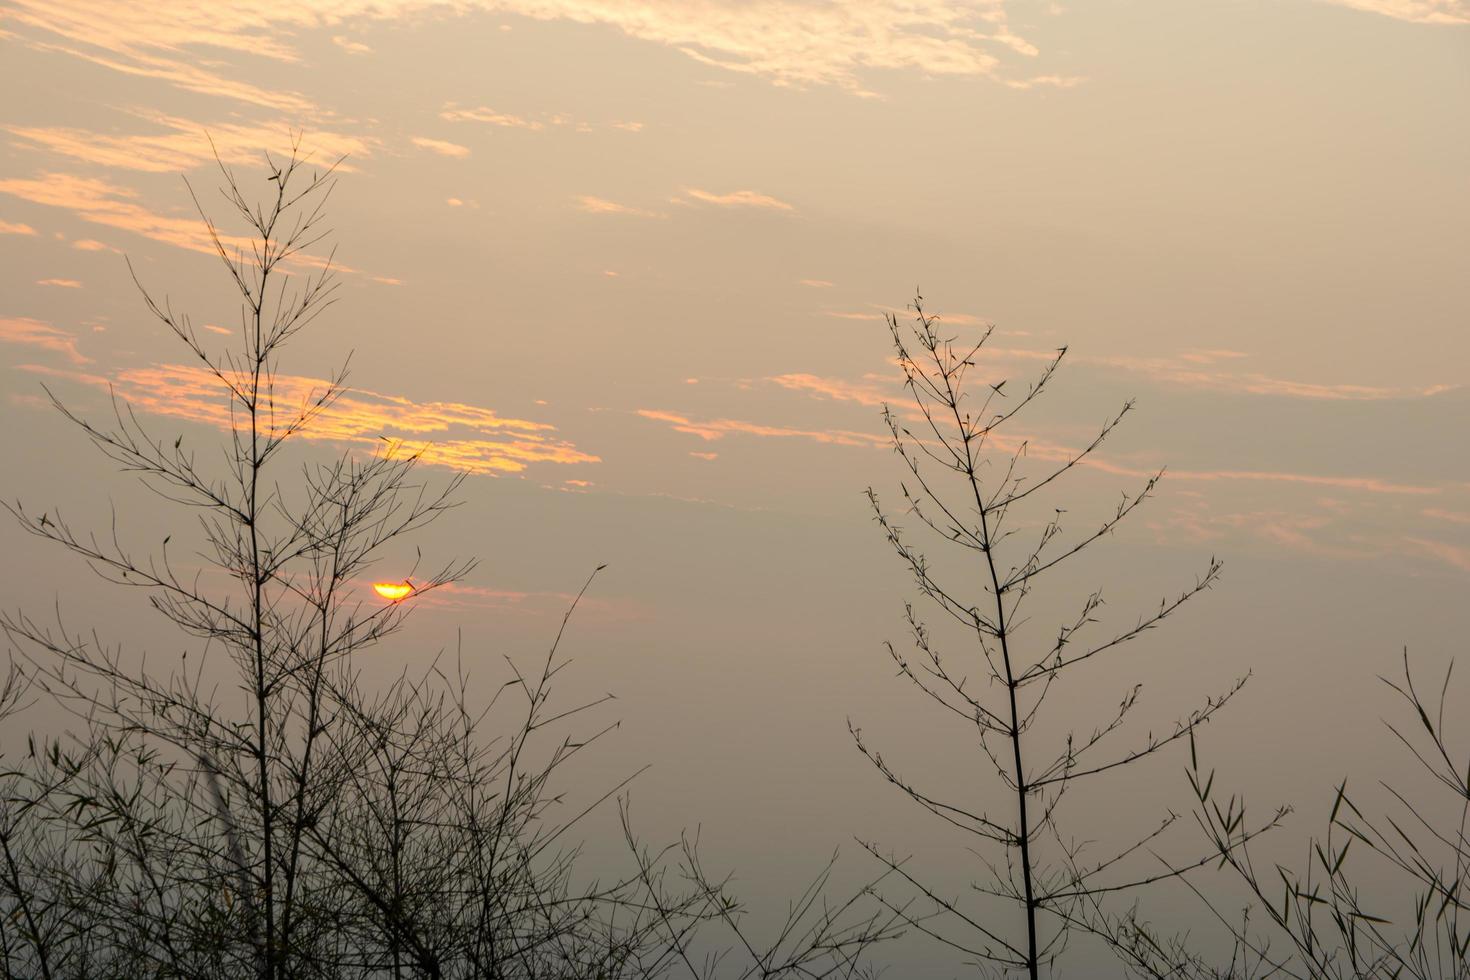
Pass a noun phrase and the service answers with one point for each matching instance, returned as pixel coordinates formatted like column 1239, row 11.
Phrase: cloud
column 869, row 392
column 100, row 202
column 9, row 228
column 92, row 245
column 719, row 428
column 881, row 310
column 1297, row 531
column 601, row 205
column 788, row 42
column 104, row 203
column 63, row 283
column 1365, row 484
column 36, row 333
column 1414, row 11
column 864, row 393
column 484, row 114
column 441, row 147
column 150, row 42
column 738, row 199
column 452, row 434
column 704, row 456
column 350, row 46
column 1045, row 81
column 1448, row 553
column 186, row 144
column 1187, row 369
column 1454, row 517
column 814, row 283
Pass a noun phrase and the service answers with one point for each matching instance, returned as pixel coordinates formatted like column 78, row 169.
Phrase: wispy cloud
column 871, row 391
column 738, row 199
column 1448, row 553
column 441, row 147
column 786, row 41
column 185, row 144
column 62, row 283
column 866, row 392
column 1366, row 484
column 13, row 228
column 104, row 203
column 1440, row 514
column 350, row 46
column 713, row 429
column 92, row 245
column 37, row 333
column 1189, row 369
column 484, row 114
column 814, row 283
column 1415, row 11
column 601, row 205
column 1045, row 81
column 452, row 434
column 880, row 310
column 153, row 41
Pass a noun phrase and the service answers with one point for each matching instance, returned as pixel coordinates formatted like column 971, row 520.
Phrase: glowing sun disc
column 392, row 591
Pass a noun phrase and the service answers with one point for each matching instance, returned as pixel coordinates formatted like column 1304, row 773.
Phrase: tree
column 1325, row 922
column 976, row 494
column 305, row 824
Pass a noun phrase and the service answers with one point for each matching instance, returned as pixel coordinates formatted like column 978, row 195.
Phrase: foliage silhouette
column 304, row 823
column 966, row 489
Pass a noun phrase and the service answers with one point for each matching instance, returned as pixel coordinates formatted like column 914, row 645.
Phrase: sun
column 392, row 591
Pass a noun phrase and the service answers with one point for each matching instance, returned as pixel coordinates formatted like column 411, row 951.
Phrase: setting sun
column 393, row 591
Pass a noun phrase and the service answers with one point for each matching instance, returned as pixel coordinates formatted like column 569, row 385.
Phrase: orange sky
column 626, row 264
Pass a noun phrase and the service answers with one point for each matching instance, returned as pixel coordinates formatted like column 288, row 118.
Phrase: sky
column 627, row 264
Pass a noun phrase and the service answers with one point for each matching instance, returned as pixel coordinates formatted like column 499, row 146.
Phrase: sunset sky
column 627, row 264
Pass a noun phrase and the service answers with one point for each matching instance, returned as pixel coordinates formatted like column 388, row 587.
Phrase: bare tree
column 969, row 483
column 1407, row 914
column 256, row 809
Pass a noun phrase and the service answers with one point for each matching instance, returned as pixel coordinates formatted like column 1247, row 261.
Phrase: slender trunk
column 1033, row 966
column 1022, row 790
column 268, row 965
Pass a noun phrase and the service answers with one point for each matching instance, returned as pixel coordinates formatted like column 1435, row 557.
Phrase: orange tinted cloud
column 453, row 434
column 108, row 204
column 185, row 144
column 7, row 228
column 719, row 428
column 351, row 46
column 864, row 393
column 36, row 333
column 1415, row 11
column 1189, row 369
column 441, row 147
column 738, row 199
column 63, row 283
column 1448, row 553
column 601, row 205
column 786, row 41
column 98, row 201
column 484, row 114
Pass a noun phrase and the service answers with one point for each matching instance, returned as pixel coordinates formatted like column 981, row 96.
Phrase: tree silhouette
column 258, row 809
column 967, row 482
